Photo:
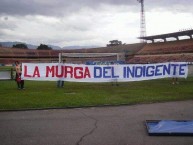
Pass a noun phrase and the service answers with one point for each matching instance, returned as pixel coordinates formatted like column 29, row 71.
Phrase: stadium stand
column 143, row 59
column 9, row 55
column 181, row 46
column 129, row 49
column 179, row 50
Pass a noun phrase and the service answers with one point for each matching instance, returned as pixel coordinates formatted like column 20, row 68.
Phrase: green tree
column 44, row 47
column 114, row 43
column 21, row 46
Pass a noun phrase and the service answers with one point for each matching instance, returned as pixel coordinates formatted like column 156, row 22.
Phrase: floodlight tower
column 142, row 20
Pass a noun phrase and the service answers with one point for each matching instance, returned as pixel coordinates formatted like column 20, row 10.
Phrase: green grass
column 45, row 94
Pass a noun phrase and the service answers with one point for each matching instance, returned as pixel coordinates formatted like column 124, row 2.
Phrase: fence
column 5, row 75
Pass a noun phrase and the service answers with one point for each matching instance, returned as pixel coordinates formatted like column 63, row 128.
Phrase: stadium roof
column 169, row 35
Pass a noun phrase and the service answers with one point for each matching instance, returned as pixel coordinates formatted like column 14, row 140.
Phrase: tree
column 114, row 43
column 20, row 45
column 44, row 47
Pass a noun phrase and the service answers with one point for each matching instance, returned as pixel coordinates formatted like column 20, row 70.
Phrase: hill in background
column 30, row 46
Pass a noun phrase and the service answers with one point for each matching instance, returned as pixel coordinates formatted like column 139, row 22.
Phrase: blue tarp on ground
column 170, row 126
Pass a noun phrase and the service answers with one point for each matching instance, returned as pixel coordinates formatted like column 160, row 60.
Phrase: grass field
column 41, row 94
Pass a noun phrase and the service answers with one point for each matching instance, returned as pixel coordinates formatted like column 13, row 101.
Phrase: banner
column 102, row 73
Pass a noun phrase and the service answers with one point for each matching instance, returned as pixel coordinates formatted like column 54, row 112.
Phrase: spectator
column 114, row 81
column 175, row 81
column 60, row 83
column 20, row 82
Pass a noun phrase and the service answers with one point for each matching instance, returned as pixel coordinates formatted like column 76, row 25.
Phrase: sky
column 89, row 22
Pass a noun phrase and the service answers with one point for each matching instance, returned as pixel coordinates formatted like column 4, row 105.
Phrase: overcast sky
column 89, row 22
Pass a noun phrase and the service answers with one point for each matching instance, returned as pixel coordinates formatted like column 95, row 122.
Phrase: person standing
column 175, row 81
column 20, row 82
column 60, row 83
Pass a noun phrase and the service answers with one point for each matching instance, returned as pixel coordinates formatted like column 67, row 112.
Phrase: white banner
column 102, row 73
